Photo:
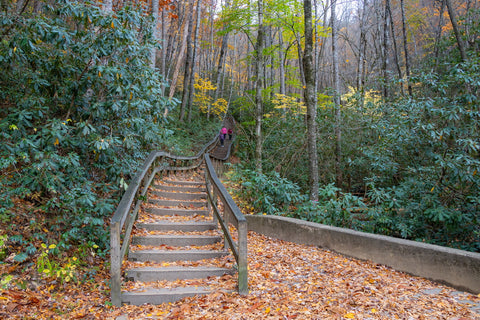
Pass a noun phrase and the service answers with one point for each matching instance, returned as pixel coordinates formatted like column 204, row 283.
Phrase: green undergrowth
column 382, row 211
column 81, row 108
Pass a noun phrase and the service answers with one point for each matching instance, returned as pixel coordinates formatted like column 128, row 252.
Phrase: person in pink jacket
column 223, row 134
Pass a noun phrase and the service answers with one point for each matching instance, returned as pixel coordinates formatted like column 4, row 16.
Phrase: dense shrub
column 81, row 108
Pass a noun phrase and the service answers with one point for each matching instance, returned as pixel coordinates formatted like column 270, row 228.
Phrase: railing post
column 242, row 258
column 115, row 264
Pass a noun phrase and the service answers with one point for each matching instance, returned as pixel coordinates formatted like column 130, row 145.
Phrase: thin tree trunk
column 194, row 63
column 395, row 49
column 188, row 67
column 385, row 46
column 259, row 86
column 336, row 98
column 221, row 62
column 174, row 30
column 361, row 50
column 300, row 58
column 453, row 19
column 281, row 55
column 163, row 56
column 438, row 34
column 309, row 94
column 405, row 48
column 212, row 45
column 155, row 8
column 179, row 61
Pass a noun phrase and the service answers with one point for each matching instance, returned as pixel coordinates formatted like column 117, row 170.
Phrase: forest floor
column 286, row 281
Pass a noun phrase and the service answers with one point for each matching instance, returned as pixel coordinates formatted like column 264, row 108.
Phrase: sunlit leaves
column 290, row 105
column 204, row 100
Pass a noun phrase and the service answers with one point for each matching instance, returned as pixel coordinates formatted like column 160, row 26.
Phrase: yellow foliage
column 289, row 104
column 219, row 107
column 204, row 101
column 370, row 95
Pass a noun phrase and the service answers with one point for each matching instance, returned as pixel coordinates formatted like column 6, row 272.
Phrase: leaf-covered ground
column 286, row 281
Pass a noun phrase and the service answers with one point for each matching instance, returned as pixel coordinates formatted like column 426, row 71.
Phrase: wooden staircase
column 176, row 248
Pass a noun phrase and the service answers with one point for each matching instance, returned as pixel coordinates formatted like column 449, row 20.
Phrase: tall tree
column 179, row 60
column 259, row 90
column 221, row 60
column 187, row 73
column 194, row 62
column 155, row 9
column 309, row 94
column 384, row 51
column 438, row 33
column 458, row 36
column 336, row 98
column 361, row 52
column 394, row 41
column 405, row 47
column 281, row 57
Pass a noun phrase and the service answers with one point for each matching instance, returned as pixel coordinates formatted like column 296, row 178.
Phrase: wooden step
column 185, row 199
column 175, row 240
column 180, row 195
column 187, row 226
column 184, row 183
column 175, row 255
column 161, row 295
column 176, row 212
column 146, row 274
column 178, row 203
column 162, row 187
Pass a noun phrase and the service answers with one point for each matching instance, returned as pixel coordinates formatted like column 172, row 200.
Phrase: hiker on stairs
column 223, row 134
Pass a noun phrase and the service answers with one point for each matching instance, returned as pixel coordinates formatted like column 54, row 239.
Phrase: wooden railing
column 231, row 216
column 126, row 213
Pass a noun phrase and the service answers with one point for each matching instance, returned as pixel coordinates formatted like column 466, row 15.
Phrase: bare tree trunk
column 179, row 61
column 155, row 9
column 336, row 98
column 438, row 34
column 309, row 94
column 163, row 56
column 194, row 63
column 174, row 30
column 405, row 48
column 322, row 50
column 300, row 58
column 212, row 45
column 188, row 67
column 385, row 46
column 259, row 86
column 361, row 51
column 221, row 61
column 453, row 19
column 394, row 40
column 281, row 57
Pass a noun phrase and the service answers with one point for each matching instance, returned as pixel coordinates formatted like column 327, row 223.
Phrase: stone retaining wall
column 457, row 268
